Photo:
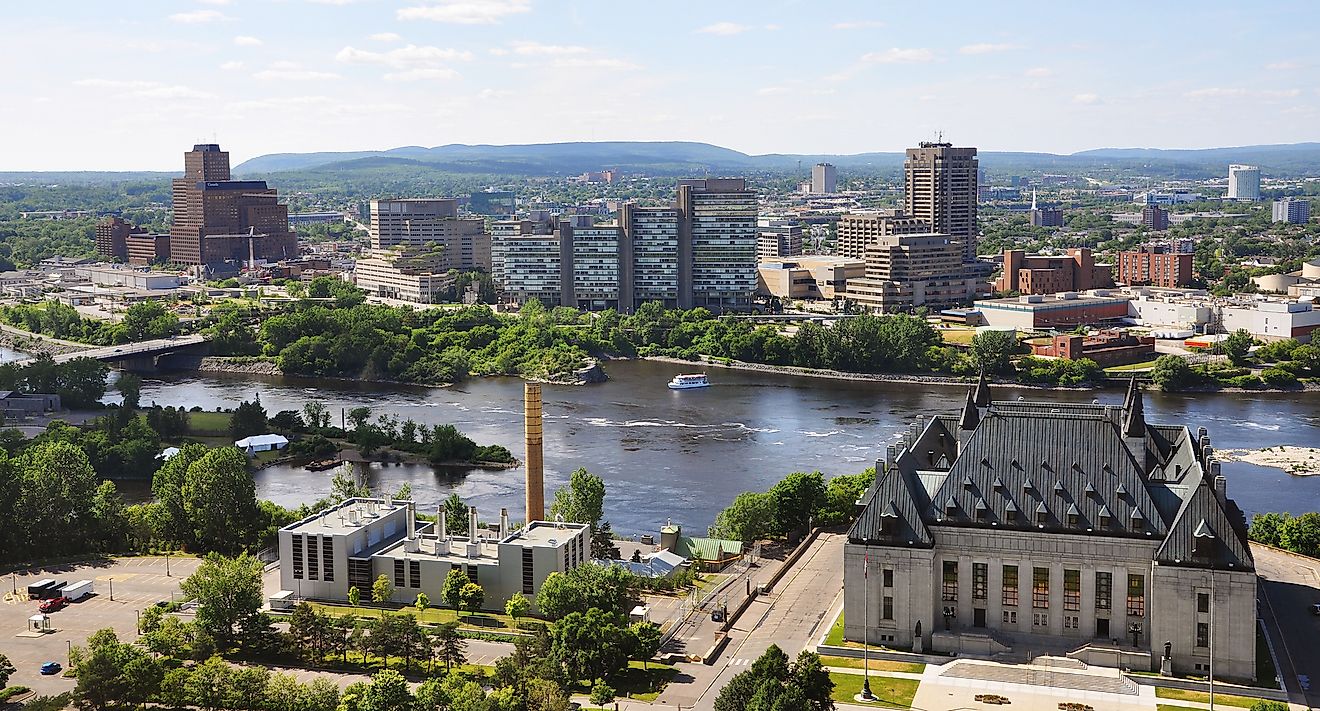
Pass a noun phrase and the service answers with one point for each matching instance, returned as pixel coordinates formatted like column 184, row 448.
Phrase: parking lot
column 137, row 583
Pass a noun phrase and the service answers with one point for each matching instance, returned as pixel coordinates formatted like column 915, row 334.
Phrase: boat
column 688, row 382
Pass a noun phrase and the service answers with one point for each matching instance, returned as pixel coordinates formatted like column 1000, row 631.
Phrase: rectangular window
column 527, row 578
column 313, row 560
column 950, row 587
column 1010, row 617
column 1202, row 634
column 889, row 578
column 1040, row 619
column 327, row 559
column 1072, row 590
column 1104, row 590
column 298, row 556
column 1010, row 586
column 1071, row 622
column 980, row 581
column 414, row 574
column 359, row 575
column 399, row 582
column 1136, row 596
column 472, row 574
column 1040, row 588
column 1202, row 602
column 887, row 612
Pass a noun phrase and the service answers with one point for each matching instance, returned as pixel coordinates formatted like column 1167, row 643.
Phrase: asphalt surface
column 1289, row 586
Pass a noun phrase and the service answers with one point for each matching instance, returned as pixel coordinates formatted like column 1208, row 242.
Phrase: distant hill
column 80, row 177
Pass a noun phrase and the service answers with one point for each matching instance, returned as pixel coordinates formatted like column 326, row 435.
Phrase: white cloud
column 404, row 57
column 230, row 66
column 537, row 49
column 1087, row 98
column 1281, row 93
column 772, row 28
column 422, row 74
column 594, row 63
column 1219, row 92
column 247, row 41
column 772, row 90
column 724, row 29
column 197, row 17
column 1283, row 66
column 1039, row 72
column 333, row 2
column 385, row 37
column 465, row 12
column 214, row 2
column 145, row 89
column 895, row 55
column 292, row 71
column 858, row 25
column 987, row 48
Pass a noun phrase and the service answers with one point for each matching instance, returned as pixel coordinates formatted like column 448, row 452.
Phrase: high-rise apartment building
column 823, row 179
column 112, row 238
column 591, row 266
column 906, row 271
column 1153, row 266
column 432, row 221
column 716, row 243
column 1295, row 211
column 940, row 189
column 217, row 219
column 529, row 262
column 854, row 232
column 1154, row 217
column 650, row 235
column 1243, row 182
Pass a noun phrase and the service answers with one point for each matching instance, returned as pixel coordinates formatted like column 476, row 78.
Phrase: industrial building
column 1068, row 309
column 1072, row 529
column 108, row 275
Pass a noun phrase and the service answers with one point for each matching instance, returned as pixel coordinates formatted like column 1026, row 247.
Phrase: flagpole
column 1212, row 639
column 866, row 627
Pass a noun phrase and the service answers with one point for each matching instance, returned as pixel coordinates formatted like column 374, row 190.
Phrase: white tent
column 262, row 443
column 167, row 454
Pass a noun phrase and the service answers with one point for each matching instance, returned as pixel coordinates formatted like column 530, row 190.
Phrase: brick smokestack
column 535, row 485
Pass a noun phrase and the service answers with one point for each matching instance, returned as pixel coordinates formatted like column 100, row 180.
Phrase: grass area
column 881, row 665
column 957, row 336
column 1266, row 675
column 1144, row 365
column 709, row 581
column 373, row 663
column 891, row 692
column 1171, row 707
column 10, row 692
column 638, row 683
column 835, row 636
column 1204, row 697
column 209, row 423
column 433, row 615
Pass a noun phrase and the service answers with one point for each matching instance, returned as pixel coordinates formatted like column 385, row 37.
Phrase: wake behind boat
column 688, row 382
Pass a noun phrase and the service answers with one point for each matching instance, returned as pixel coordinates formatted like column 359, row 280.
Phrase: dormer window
column 950, row 508
column 1073, row 515
column 1058, row 488
column 1042, row 513
column 1138, row 521
column 1011, row 512
column 967, row 482
column 1105, row 518
column 1027, row 485
column 982, row 511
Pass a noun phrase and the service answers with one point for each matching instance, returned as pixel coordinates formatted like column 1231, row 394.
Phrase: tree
column 646, row 641
column 1237, row 346
column 249, row 419
column 354, row 596
column 359, row 417
column 382, row 590
column 602, row 693
column 796, row 499
column 517, row 606
column 590, row 645
column 228, row 593
column 472, row 597
column 750, row 517
column 773, row 684
column 992, row 351
column 388, row 691
column 456, row 512
column 1267, row 528
column 422, row 602
column 1172, row 373
column 6, row 670
column 130, row 386
column 582, row 501
column 449, row 645
column 452, row 590
column 602, row 542
column 147, row 320
column 219, row 501
column 316, row 415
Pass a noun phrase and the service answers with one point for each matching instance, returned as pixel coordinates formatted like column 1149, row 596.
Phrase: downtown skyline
column 340, row 75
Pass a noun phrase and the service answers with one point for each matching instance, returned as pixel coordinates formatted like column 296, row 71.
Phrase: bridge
column 130, row 351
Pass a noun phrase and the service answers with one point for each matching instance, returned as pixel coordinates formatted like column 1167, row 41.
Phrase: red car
column 53, row 604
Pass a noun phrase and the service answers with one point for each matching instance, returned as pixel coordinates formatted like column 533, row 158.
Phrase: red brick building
column 1153, row 266
column 112, row 234
column 1050, row 274
column 1108, row 348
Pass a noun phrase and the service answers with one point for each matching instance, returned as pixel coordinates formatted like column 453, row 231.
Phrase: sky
column 131, row 85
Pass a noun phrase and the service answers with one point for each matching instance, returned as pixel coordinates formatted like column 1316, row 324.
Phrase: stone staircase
column 1060, row 662
column 1030, row 676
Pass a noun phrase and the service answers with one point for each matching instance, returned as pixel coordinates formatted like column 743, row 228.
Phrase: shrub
column 1278, row 378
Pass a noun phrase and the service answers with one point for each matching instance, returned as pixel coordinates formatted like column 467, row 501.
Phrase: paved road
column 791, row 616
column 1290, row 584
column 130, row 349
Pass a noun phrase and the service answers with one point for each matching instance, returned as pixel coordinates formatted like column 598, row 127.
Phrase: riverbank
column 36, row 344
column 1298, row 461
column 590, row 373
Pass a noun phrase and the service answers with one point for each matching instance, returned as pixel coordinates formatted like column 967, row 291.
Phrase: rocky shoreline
column 35, row 345
column 220, row 364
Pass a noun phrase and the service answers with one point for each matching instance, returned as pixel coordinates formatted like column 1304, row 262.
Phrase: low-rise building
column 352, row 544
column 1107, row 348
column 105, row 275
column 807, row 277
column 1075, row 270
column 1156, row 266
column 1065, row 310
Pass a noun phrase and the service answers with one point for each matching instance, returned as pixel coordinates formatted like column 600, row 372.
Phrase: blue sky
column 142, row 80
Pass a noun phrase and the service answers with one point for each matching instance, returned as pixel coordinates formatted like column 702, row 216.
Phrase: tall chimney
column 535, row 484
column 442, row 531
column 504, row 523
column 411, row 521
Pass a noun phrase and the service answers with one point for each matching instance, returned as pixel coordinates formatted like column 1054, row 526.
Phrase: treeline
column 797, row 502
column 1281, row 363
column 80, row 382
column 145, row 320
column 1299, row 534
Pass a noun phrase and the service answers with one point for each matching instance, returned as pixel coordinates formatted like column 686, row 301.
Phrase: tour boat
column 688, row 382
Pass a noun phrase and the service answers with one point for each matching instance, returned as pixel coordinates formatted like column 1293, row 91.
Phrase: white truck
column 77, row 591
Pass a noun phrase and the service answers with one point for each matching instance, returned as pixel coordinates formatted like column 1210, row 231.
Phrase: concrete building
column 939, row 188
column 1154, row 266
column 823, row 179
column 1075, row 270
column 1044, row 216
column 855, row 231
column 1068, row 309
column 315, row 218
column 352, row 544
column 529, row 262
column 906, row 271
column 1243, row 182
column 650, row 234
column 432, row 221
column 1154, row 217
column 807, row 278
column 144, row 249
column 1293, row 283
column 407, row 273
column 717, row 240
column 106, row 275
column 1175, row 197
column 112, row 238
column 1056, row 528
column 594, row 254
column 778, row 238
column 1296, row 211
column 217, row 219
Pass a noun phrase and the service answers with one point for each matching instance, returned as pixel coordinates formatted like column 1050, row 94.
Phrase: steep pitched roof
column 893, row 513
column 1203, row 534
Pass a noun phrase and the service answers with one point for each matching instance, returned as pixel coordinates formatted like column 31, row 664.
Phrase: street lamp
column 167, row 564
column 112, row 589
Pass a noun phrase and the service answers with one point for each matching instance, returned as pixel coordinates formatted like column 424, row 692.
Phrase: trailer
column 78, row 590
column 55, row 589
column 36, row 589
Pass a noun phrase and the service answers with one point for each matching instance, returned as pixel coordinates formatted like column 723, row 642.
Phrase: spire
column 970, row 416
column 1134, row 425
column 982, row 396
column 1033, row 198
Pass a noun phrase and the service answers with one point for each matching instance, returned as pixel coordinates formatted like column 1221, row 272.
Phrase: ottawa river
column 685, row 454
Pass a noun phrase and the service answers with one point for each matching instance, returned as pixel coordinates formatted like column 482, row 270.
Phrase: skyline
column 146, row 83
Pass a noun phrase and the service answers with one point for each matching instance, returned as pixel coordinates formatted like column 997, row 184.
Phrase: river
column 685, row 454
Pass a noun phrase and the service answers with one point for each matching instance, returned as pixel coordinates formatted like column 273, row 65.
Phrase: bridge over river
column 130, row 351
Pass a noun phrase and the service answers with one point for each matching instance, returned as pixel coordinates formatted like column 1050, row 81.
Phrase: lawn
column 835, row 636
column 957, row 336
column 433, row 615
column 209, row 423
column 881, row 665
column 1170, row 707
column 642, row 684
column 1145, row 365
column 1266, row 676
column 1203, row 697
column 891, row 692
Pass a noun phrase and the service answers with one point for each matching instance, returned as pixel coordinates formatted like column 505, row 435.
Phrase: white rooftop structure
column 262, row 443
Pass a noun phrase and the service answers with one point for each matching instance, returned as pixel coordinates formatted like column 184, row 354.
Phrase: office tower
column 716, row 243
column 905, row 271
column 778, row 238
column 1155, row 217
column 1154, row 266
column 1243, row 182
column 432, row 221
column 854, row 232
column 112, row 238
column 823, row 178
column 940, row 188
column 217, row 219
column 1295, row 211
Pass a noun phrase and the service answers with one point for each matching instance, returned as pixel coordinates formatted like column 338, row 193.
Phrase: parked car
column 1315, row 609
column 54, row 604
column 51, row 668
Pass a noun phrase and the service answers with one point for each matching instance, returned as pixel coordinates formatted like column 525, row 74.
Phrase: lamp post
column 112, row 589
column 167, row 564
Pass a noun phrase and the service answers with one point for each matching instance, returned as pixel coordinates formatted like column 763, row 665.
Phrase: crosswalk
column 739, row 662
